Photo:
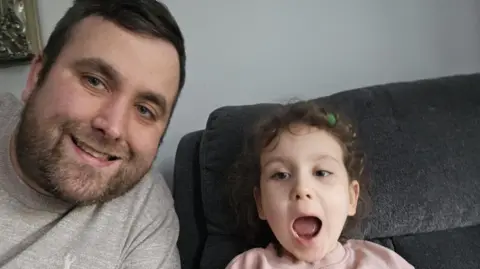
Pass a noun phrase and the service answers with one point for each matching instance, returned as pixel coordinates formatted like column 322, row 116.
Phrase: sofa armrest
column 188, row 200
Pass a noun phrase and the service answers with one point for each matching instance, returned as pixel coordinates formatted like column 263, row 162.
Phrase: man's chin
column 82, row 184
column 79, row 199
column 79, row 194
column 93, row 190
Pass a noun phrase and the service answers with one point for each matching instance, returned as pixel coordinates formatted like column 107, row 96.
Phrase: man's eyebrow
column 98, row 65
column 155, row 98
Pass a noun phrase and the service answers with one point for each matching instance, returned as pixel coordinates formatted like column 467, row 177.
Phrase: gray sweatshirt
column 137, row 230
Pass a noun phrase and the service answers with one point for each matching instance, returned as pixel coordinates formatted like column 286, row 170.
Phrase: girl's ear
column 258, row 202
column 353, row 191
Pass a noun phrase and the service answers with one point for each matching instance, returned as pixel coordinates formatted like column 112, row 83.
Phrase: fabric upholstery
column 187, row 194
column 453, row 248
column 421, row 142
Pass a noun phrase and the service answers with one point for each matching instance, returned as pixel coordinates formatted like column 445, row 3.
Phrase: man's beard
column 40, row 150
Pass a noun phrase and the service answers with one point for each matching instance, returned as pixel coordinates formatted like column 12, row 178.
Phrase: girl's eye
column 280, row 176
column 145, row 112
column 322, row 173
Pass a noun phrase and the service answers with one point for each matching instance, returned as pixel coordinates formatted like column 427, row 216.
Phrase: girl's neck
column 335, row 255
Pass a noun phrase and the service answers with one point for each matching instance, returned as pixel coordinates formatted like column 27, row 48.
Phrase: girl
column 299, row 188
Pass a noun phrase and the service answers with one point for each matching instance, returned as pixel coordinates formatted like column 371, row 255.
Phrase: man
column 74, row 191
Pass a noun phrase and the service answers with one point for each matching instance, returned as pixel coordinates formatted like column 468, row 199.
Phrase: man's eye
column 95, row 82
column 322, row 173
column 280, row 175
column 145, row 112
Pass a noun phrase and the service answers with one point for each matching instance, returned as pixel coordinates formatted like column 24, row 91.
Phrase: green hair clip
column 331, row 119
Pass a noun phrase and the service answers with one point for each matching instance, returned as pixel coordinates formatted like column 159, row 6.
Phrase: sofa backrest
column 421, row 140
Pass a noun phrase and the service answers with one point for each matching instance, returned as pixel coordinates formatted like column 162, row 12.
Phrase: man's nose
column 112, row 120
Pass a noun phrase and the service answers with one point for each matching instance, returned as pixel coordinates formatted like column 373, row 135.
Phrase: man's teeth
column 93, row 152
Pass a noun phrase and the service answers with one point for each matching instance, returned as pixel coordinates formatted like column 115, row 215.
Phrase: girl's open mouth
column 307, row 227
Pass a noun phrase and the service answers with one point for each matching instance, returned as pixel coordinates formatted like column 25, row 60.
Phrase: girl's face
column 305, row 194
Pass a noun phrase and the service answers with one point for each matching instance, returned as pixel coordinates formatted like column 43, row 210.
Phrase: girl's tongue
column 307, row 227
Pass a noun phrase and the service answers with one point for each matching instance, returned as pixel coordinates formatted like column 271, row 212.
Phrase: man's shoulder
column 8, row 101
column 155, row 186
column 10, row 107
column 151, row 198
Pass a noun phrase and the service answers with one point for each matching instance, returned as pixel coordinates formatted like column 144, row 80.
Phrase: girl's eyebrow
column 325, row 157
column 317, row 157
column 275, row 159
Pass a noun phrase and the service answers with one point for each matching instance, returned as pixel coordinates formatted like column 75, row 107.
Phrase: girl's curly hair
column 244, row 175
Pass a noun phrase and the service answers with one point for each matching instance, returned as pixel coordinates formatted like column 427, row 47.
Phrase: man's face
column 91, row 130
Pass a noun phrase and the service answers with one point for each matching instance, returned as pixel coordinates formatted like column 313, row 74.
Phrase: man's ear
column 258, row 201
column 32, row 79
column 354, row 192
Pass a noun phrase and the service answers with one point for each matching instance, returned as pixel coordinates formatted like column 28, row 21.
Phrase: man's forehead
column 149, row 63
column 92, row 31
column 90, row 25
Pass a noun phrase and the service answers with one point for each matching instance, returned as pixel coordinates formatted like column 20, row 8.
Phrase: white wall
column 242, row 52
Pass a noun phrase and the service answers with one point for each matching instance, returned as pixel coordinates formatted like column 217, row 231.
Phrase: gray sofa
column 423, row 144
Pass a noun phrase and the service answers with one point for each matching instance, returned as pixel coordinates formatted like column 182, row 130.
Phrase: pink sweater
column 355, row 254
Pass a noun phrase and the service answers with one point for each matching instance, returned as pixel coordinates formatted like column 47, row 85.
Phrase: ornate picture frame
column 20, row 37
